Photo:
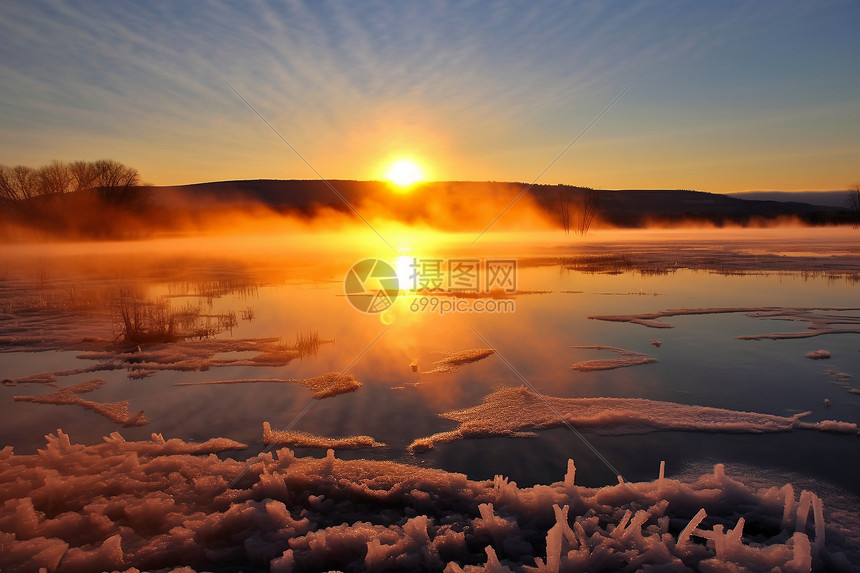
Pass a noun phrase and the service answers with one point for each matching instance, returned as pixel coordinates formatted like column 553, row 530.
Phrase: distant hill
column 826, row 198
column 280, row 194
column 630, row 207
column 621, row 208
column 450, row 205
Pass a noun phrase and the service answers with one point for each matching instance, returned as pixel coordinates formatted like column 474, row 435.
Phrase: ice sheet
column 306, row 440
column 628, row 358
column 818, row 320
column 70, row 395
column 455, row 360
column 324, row 386
column 509, row 411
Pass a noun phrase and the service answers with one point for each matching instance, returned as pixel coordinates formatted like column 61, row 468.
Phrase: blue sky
column 725, row 96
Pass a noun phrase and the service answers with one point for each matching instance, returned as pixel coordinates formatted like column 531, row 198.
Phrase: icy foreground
column 155, row 505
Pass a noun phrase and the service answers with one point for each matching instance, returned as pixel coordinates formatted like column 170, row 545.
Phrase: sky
column 720, row 96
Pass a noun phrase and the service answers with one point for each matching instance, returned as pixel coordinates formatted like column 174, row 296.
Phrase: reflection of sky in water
column 700, row 362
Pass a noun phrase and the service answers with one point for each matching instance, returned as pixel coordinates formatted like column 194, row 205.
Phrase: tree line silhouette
column 86, row 199
column 111, row 180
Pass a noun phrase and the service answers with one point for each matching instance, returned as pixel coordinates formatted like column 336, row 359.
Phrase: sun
column 404, row 173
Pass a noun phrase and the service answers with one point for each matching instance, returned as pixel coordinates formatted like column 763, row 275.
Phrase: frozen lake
column 272, row 317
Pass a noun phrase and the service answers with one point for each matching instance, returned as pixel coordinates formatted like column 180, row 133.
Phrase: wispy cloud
column 491, row 88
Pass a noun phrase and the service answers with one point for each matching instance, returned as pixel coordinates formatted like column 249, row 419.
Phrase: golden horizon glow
column 404, row 173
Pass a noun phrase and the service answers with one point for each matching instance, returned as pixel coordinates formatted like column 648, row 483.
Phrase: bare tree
column 564, row 207
column 116, row 182
column 588, row 202
column 54, row 179
column 854, row 205
column 6, row 191
column 18, row 183
column 83, row 175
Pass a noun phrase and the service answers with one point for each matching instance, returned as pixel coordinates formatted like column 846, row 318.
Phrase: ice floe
column 189, row 356
column 838, row 376
column 818, row 320
column 324, row 386
column 652, row 319
column 841, row 379
column 306, row 440
column 452, row 362
column 42, row 378
column 70, row 395
column 512, row 411
column 628, row 358
column 181, row 356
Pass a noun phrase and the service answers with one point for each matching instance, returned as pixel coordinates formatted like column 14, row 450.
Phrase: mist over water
column 233, row 332
column 278, row 288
